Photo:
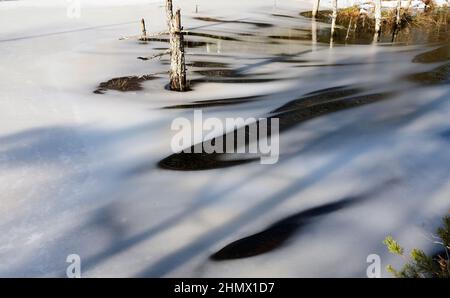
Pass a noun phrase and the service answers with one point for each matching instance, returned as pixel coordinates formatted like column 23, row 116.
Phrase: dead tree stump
column 144, row 30
column 177, row 72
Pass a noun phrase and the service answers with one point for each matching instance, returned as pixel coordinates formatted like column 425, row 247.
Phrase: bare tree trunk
column 169, row 12
column 348, row 30
column 315, row 8
column 377, row 20
column 144, row 30
column 333, row 22
column 177, row 60
column 399, row 6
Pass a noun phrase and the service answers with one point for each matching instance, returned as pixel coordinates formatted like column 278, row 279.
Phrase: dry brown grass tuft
column 131, row 83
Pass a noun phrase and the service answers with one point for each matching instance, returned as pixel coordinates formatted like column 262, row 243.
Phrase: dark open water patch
column 187, row 89
column 290, row 115
column 323, row 15
column 213, row 103
column 293, row 37
column 124, row 84
column 440, row 54
column 332, row 90
column 294, row 61
column 277, row 234
column 187, row 43
column 333, row 64
column 229, row 73
column 207, row 64
column 437, row 76
column 317, row 98
column 213, row 36
column 246, row 34
column 283, row 16
column 218, row 73
column 248, row 79
column 297, row 116
column 200, row 162
column 161, row 49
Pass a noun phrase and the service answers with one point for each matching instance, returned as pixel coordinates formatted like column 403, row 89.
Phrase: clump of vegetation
column 349, row 12
column 354, row 26
column 418, row 263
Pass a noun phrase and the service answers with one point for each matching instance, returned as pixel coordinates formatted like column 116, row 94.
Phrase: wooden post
column 315, row 8
column 144, row 30
column 177, row 60
column 377, row 20
column 333, row 22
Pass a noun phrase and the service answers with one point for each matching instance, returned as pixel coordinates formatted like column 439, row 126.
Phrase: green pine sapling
column 418, row 263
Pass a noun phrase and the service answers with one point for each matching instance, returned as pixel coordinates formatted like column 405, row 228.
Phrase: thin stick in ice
column 377, row 20
column 144, row 30
column 333, row 22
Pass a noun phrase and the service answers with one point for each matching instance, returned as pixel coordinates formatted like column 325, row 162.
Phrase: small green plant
column 418, row 263
column 393, row 246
